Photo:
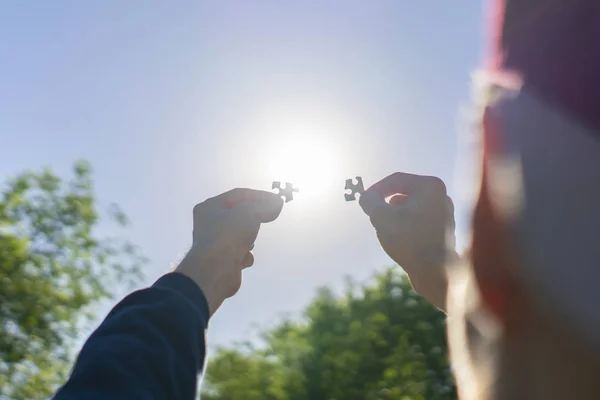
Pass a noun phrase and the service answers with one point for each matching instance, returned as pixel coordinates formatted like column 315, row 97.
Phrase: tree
column 53, row 268
column 380, row 341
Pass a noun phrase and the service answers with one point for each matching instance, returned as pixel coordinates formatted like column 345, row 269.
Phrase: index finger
column 403, row 183
column 397, row 183
column 236, row 196
column 267, row 204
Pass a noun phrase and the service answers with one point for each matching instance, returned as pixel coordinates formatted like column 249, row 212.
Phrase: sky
column 175, row 102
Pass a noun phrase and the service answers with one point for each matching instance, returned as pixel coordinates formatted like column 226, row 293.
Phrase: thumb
column 384, row 216
column 244, row 220
column 371, row 201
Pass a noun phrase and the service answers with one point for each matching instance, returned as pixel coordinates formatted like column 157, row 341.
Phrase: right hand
column 415, row 228
column 225, row 228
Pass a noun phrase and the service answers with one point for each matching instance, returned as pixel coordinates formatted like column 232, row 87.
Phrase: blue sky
column 174, row 102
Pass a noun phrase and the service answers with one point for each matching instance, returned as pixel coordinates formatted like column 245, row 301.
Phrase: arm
column 150, row 346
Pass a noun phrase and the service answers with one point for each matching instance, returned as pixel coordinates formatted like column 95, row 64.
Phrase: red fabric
column 554, row 45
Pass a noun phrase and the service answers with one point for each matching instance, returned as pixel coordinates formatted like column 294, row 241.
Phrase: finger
column 450, row 210
column 450, row 205
column 399, row 199
column 233, row 198
column 269, row 204
column 243, row 222
column 371, row 201
column 388, row 219
column 265, row 209
column 384, row 217
column 398, row 182
column 403, row 183
column 248, row 260
column 241, row 226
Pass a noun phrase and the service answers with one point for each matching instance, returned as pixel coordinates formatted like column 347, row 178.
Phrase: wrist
column 429, row 278
column 188, row 289
column 433, row 287
column 194, row 267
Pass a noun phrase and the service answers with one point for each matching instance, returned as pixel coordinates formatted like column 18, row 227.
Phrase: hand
column 415, row 228
column 225, row 228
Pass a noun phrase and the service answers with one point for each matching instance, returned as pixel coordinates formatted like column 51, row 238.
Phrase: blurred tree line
column 53, row 268
column 380, row 341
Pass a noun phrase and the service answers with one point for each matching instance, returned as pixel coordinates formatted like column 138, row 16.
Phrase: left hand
column 225, row 228
column 415, row 228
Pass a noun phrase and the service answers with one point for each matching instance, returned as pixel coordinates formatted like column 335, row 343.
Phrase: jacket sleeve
column 150, row 346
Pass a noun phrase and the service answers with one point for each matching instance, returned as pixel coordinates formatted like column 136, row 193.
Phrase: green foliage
column 380, row 341
column 53, row 267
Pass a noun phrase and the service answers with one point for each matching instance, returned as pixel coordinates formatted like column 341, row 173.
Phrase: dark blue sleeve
column 150, row 346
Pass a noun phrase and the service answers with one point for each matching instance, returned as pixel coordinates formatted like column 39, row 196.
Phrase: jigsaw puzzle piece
column 355, row 188
column 286, row 192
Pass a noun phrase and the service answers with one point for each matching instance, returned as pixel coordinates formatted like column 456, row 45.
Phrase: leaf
column 54, row 269
column 369, row 343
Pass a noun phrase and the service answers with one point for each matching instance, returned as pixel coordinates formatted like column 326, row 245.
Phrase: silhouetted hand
column 415, row 228
column 225, row 228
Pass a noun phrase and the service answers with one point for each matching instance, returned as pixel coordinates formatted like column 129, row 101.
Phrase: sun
column 308, row 164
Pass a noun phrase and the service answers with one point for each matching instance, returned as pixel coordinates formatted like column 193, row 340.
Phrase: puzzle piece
column 355, row 188
column 287, row 192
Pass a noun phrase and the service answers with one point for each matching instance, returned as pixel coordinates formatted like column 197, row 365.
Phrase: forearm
column 150, row 346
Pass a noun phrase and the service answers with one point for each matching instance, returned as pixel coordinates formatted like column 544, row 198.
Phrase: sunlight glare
column 308, row 164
